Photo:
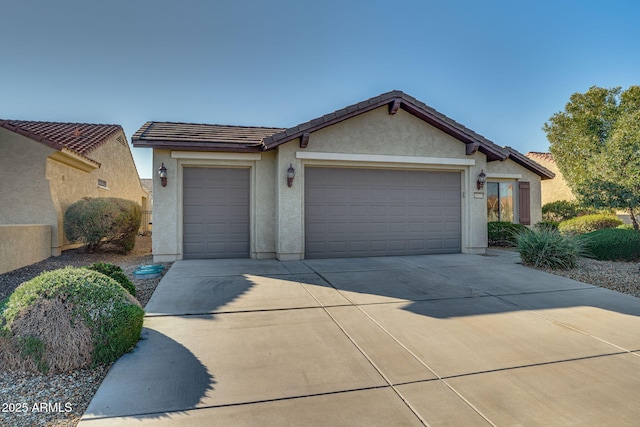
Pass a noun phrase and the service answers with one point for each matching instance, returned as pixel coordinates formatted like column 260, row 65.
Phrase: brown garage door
column 215, row 213
column 376, row 212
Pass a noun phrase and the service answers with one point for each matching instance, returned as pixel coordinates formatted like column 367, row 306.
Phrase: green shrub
column 560, row 210
column 116, row 274
column 68, row 319
column 587, row 223
column 502, row 233
column 103, row 220
column 546, row 224
column 614, row 244
column 546, row 247
column 563, row 210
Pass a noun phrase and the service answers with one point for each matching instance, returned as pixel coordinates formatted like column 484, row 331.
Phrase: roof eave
column 526, row 162
column 196, row 146
column 393, row 99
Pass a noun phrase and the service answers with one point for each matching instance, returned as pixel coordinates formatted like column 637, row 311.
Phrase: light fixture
column 291, row 173
column 162, row 173
column 482, row 178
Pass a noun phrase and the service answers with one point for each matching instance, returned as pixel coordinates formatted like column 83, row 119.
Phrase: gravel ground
column 60, row 400
column 615, row 275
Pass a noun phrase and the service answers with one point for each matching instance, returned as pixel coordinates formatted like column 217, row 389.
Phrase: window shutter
column 524, row 203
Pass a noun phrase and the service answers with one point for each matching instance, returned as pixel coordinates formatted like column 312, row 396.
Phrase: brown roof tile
column 548, row 157
column 530, row 164
column 194, row 136
column 81, row 138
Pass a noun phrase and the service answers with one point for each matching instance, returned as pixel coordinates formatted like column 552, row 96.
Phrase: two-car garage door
column 378, row 212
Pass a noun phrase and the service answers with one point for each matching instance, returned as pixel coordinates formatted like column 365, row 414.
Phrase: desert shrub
column 546, row 247
column 116, row 274
column 546, row 224
column 614, row 244
column 67, row 319
column 587, row 223
column 103, row 220
column 560, row 210
column 563, row 210
column 502, row 233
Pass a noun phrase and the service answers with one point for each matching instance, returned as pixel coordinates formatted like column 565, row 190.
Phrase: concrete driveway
column 459, row 340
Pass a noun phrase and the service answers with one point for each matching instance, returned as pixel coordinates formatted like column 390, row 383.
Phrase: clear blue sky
column 501, row 68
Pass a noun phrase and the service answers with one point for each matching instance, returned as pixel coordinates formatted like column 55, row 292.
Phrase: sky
column 501, row 68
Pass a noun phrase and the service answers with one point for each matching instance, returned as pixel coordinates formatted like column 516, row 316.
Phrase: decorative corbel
column 394, row 106
column 304, row 140
column 472, row 148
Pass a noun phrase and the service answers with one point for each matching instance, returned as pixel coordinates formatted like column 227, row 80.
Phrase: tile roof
column 80, row 138
column 194, row 136
column 548, row 157
column 203, row 137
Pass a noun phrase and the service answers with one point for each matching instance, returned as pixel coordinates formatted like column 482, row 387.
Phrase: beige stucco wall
column 371, row 140
column 510, row 171
column 24, row 189
column 36, row 189
column 556, row 188
column 23, row 245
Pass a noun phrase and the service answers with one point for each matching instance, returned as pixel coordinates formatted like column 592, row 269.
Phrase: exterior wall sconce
column 162, row 173
column 482, row 178
column 291, row 173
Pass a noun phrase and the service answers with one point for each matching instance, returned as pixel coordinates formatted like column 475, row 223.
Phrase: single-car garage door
column 379, row 212
column 215, row 213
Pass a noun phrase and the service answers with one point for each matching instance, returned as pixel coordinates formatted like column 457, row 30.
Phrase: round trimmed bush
column 588, row 223
column 116, row 273
column 614, row 244
column 98, row 221
column 67, row 319
column 503, row 233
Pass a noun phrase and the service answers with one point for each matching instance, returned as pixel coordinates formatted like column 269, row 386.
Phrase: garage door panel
column 381, row 212
column 215, row 213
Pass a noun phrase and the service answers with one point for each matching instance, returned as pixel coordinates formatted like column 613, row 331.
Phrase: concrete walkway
column 459, row 340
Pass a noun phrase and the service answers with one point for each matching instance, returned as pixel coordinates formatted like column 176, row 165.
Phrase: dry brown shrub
column 10, row 359
column 68, row 343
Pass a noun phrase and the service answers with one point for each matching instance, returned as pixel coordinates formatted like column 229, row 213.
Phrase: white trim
column 379, row 158
column 207, row 155
column 504, row 175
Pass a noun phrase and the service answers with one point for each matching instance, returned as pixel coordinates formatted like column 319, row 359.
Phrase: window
column 102, row 184
column 500, row 201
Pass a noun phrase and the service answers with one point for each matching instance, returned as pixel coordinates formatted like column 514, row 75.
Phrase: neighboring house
column 557, row 188
column 387, row 176
column 552, row 189
column 47, row 166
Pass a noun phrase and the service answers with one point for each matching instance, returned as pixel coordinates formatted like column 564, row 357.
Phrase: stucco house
column 386, row 176
column 552, row 189
column 47, row 166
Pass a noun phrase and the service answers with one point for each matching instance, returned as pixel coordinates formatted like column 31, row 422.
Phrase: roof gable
column 80, row 138
column 395, row 100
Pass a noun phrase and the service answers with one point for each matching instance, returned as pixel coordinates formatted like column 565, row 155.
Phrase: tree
column 595, row 142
